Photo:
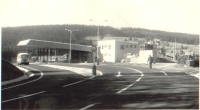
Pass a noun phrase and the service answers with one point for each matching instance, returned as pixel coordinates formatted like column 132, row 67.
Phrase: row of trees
column 163, row 35
column 12, row 35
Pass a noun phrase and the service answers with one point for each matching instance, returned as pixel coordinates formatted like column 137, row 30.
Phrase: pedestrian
column 150, row 61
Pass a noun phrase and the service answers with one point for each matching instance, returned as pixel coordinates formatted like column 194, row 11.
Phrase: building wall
column 114, row 51
column 144, row 55
column 123, row 47
column 107, row 50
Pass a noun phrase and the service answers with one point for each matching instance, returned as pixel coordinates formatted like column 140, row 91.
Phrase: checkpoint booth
column 42, row 50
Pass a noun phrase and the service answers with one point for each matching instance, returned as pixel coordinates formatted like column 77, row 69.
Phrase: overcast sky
column 167, row 15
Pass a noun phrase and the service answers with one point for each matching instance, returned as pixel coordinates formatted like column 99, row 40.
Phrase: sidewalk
column 78, row 70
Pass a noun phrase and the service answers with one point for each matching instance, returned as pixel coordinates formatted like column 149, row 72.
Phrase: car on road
column 23, row 58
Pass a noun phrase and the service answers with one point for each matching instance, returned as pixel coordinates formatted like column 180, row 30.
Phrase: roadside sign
column 94, row 49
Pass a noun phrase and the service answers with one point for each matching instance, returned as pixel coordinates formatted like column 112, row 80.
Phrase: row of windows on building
column 105, row 46
column 127, row 46
column 121, row 47
column 106, row 54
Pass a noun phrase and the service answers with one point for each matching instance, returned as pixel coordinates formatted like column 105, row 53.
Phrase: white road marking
column 134, row 82
column 84, row 108
column 78, row 81
column 24, row 96
column 119, row 74
column 129, row 86
column 125, row 88
column 164, row 73
column 138, row 79
column 195, row 75
column 131, row 69
column 26, row 82
column 137, row 71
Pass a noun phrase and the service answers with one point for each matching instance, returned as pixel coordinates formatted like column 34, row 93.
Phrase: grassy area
column 9, row 71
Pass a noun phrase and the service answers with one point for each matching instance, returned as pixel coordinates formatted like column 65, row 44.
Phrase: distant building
column 115, row 51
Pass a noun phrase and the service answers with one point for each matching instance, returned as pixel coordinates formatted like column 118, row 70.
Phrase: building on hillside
column 115, row 51
column 157, row 41
column 107, row 37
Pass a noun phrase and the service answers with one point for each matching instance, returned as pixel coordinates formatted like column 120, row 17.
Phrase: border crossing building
column 115, row 51
column 50, row 51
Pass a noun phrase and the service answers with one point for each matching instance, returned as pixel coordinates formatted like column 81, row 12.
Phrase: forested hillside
column 12, row 35
column 163, row 35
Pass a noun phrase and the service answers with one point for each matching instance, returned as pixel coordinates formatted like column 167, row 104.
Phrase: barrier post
column 94, row 69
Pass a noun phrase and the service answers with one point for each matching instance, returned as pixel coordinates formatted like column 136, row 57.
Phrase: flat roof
column 53, row 45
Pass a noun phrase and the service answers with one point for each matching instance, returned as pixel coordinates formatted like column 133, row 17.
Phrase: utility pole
column 174, row 50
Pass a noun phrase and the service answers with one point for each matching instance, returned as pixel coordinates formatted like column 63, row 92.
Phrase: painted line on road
column 164, row 73
column 23, row 96
column 26, row 82
column 78, row 81
column 137, row 71
column 124, row 89
column 195, row 75
column 131, row 69
column 84, row 108
column 134, row 82
column 139, row 79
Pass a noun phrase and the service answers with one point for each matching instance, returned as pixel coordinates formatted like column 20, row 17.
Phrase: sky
column 166, row 15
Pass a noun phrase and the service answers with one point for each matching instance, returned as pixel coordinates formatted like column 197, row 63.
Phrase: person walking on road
column 150, row 61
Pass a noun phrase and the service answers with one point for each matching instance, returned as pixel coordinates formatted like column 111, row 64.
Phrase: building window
column 109, row 46
column 102, row 46
column 122, row 47
column 135, row 46
column 105, row 46
column 126, row 46
column 131, row 46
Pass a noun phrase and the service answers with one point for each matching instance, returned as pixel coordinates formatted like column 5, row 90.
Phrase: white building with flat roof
column 115, row 51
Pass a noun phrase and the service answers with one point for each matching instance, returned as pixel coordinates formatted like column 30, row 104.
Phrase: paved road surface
column 121, row 87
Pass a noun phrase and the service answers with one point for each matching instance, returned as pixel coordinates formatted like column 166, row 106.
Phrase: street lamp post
column 97, row 39
column 70, row 56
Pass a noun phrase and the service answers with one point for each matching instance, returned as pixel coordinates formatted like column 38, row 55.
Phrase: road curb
column 27, row 75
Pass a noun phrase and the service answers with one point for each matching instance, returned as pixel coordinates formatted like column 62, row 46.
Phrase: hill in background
column 12, row 35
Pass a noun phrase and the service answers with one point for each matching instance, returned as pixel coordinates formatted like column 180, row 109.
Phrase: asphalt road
column 120, row 87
